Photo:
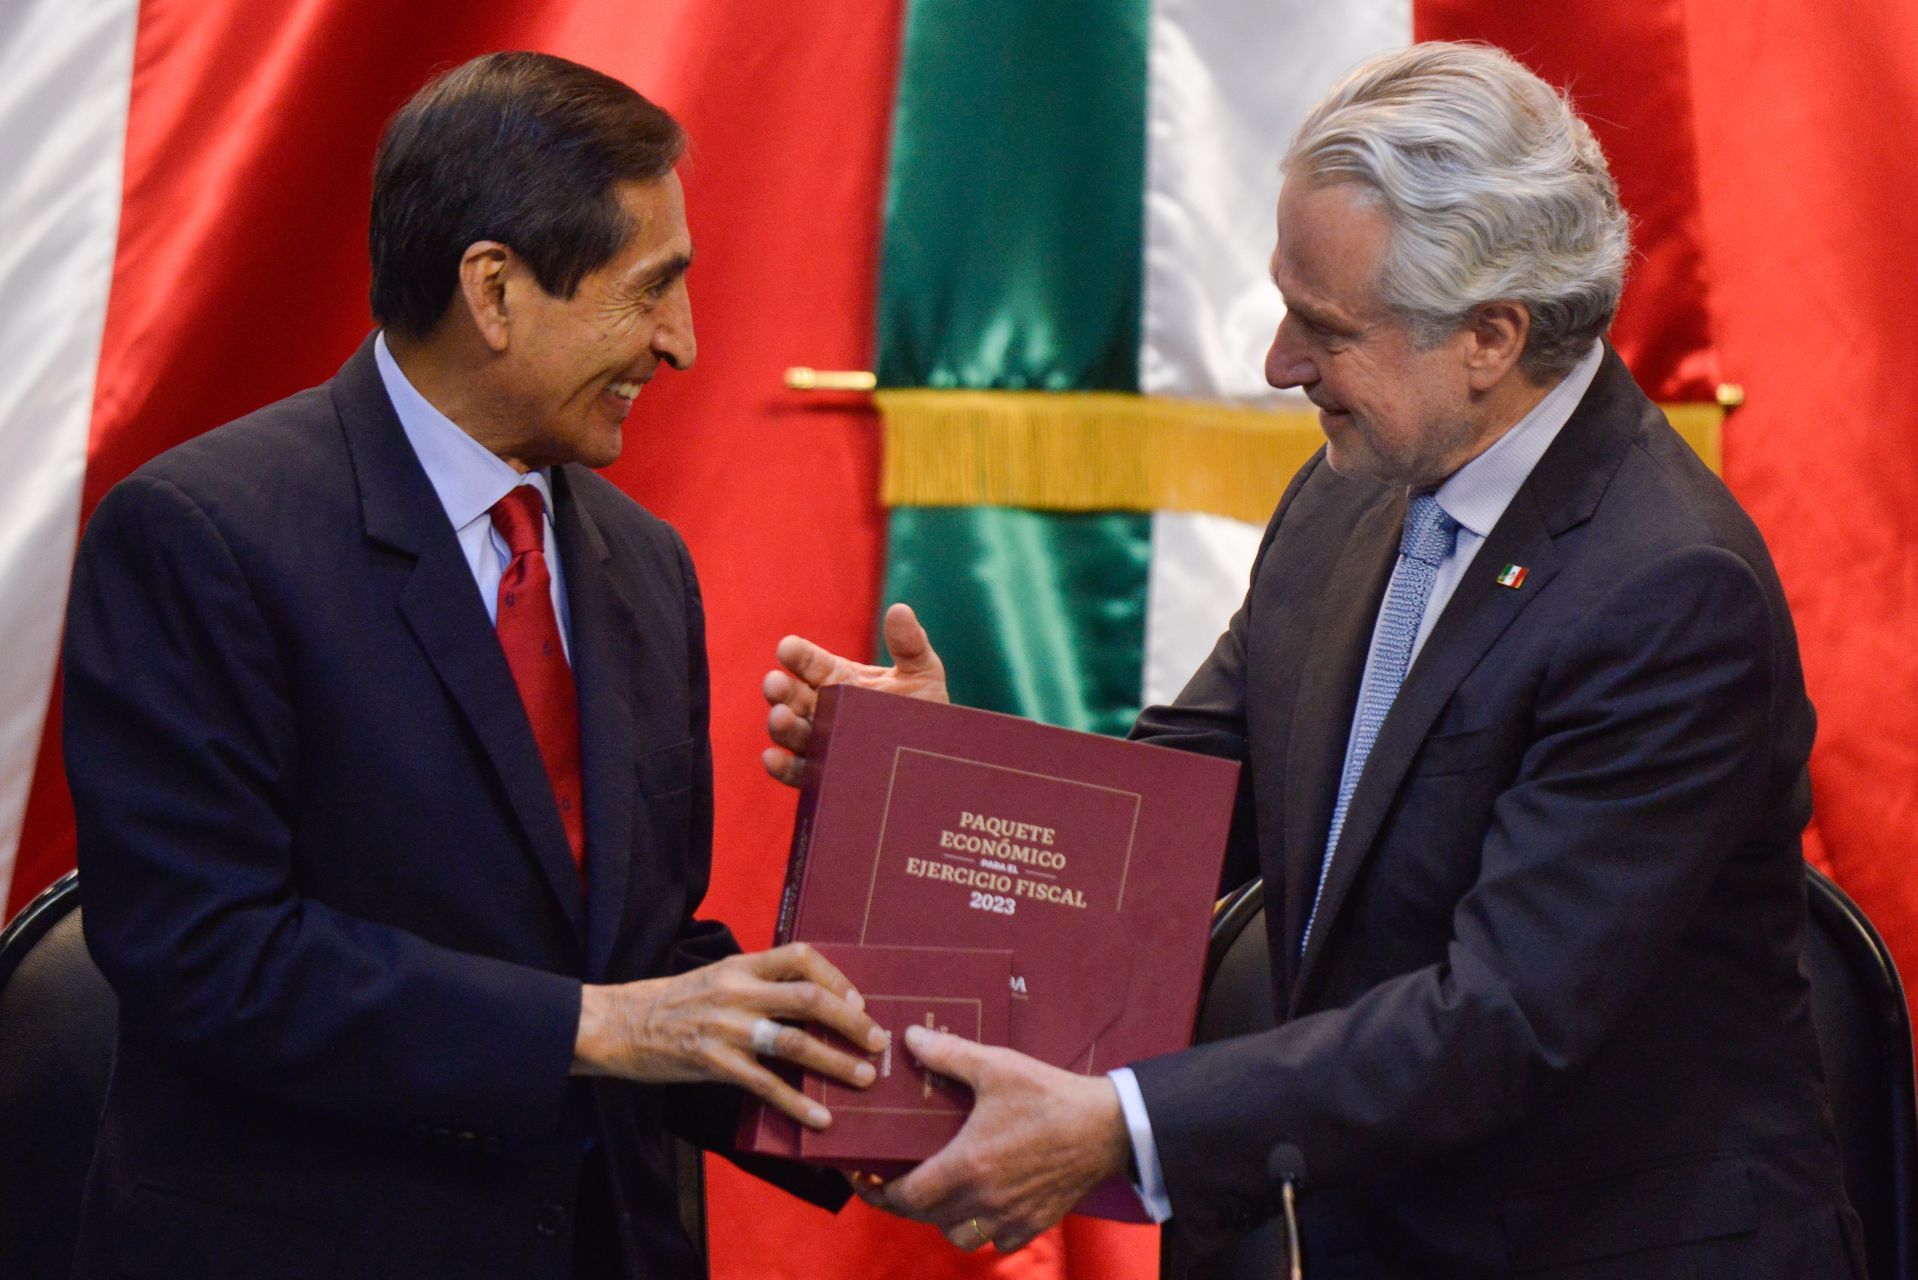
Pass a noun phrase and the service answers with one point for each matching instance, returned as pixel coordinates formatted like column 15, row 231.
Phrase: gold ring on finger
column 979, row 1231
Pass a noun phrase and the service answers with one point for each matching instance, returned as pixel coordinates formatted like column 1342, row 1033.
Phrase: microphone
column 1286, row 1168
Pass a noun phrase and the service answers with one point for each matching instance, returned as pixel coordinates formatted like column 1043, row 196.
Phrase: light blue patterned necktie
column 1428, row 538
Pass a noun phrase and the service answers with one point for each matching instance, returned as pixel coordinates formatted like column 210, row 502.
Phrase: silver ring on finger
column 765, row 1037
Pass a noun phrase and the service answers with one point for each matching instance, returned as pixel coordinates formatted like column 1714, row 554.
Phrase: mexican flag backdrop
column 1044, row 224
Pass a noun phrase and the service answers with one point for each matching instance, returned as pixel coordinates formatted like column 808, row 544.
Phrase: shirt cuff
column 1145, row 1152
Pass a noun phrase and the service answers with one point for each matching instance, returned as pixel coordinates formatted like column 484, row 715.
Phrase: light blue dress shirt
column 1475, row 495
column 469, row 479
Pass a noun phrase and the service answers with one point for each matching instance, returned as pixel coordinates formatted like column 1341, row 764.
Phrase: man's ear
column 1498, row 331
column 484, row 269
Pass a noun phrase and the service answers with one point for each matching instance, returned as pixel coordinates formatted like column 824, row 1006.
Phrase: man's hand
column 699, row 1026
column 1038, row 1140
column 805, row 668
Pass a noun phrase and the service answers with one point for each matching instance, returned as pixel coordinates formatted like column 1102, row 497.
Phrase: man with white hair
column 1524, row 734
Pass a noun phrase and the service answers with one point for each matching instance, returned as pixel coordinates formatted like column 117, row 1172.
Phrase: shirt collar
column 1477, row 493
column 468, row 477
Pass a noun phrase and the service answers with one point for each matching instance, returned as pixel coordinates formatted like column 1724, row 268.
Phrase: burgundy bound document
column 1093, row 860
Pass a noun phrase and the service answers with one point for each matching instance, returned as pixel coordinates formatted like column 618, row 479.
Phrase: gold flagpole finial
column 802, row 378
column 1730, row 395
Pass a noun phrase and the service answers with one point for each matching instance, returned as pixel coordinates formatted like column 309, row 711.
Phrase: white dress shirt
column 1475, row 495
column 469, row 479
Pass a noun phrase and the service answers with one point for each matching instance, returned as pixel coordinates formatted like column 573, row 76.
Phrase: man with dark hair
column 517, row 147
column 386, row 723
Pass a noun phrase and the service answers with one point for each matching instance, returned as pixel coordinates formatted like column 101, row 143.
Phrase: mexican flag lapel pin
column 1512, row 575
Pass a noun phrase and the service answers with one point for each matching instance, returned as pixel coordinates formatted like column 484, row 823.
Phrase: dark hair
column 522, row 148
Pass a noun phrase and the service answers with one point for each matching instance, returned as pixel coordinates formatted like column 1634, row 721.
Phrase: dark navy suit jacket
column 327, row 878
column 1550, row 1020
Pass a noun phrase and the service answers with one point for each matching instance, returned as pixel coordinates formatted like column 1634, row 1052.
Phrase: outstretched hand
column 1038, row 1140
column 804, row 669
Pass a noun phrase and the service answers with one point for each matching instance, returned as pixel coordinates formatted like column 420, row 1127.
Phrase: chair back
column 1864, row 1034
column 1236, row 1000
column 57, row 1018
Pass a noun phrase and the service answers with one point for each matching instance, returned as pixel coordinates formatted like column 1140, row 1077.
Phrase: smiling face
column 570, row 368
column 1391, row 409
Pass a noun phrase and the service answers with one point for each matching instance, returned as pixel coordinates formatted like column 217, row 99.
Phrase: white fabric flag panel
column 66, row 68
column 1230, row 81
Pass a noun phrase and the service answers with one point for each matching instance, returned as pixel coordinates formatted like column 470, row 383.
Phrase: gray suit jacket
column 1550, row 1020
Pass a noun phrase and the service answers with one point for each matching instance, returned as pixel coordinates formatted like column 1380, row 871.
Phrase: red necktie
column 529, row 633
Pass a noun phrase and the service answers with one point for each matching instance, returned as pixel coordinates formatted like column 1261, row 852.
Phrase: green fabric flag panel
column 1011, row 262
column 1012, row 224
column 1037, row 613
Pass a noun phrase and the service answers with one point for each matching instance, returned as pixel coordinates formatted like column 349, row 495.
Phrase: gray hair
column 1495, row 188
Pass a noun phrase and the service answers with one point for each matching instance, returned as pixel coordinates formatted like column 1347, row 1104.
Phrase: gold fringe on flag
column 1703, row 428
column 1110, row 451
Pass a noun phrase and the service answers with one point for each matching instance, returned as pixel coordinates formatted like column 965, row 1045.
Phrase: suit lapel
column 443, row 609
column 608, row 655
column 1328, row 684
column 1562, row 492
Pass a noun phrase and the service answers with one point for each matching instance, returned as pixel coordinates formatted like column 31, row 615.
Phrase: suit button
column 551, row 1220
